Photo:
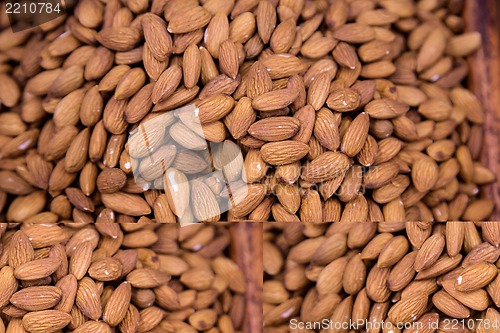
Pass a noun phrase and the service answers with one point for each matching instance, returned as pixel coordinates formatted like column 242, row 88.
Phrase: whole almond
column 191, row 20
column 47, row 321
column 283, row 152
column 37, row 298
column 429, row 252
column 354, row 275
column 87, row 299
column 20, row 251
column 393, row 252
column 37, row 269
column 118, row 304
column 376, row 284
column 475, row 277
column 407, row 309
column 125, row 203
column 147, row 278
column 8, row 286
column 424, row 173
column 326, row 129
column 274, row 100
column 156, row 36
column 326, row 166
column 450, row 306
column 355, row 136
column 274, row 128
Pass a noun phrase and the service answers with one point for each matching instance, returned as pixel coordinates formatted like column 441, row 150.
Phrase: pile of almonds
column 345, row 110
column 442, row 277
column 128, row 278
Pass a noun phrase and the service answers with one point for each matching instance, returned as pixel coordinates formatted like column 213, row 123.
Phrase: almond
column 283, row 152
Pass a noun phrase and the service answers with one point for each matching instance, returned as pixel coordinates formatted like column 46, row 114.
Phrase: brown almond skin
column 484, row 252
column 111, row 180
column 88, row 300
column 326, row 129
column 476, row 276
column 117, row 306
column 283, row 152
column 326, row 166
column 21, row 251
column 106, row 269
column 147, row 278
column 214, row 108
column 450, row 306
column 125, row 203
column 69, row 285
column 166, row 84
column 37, row 269
column 8, row 285
column 408, row 309
column 37, row 298
column 429, row 252
column 47, row 321
column 274, row 128
column 476, row 300
column 443, row 265
column 354, row 275
column 393, row 251
column 275, row 100
column 93, row 326
column 376, row 284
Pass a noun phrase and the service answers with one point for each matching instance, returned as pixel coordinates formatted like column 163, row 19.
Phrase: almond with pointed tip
column 476, row 300
column 20, row 250
column 117, row 306
column 326, row 129
column 119, row 38
column 274, row 128
column 393, row 252
column 275, row 99
column 424, row 174
column 409, row 309
column 8, row 285
column 177, row 191
column 429, row 252
column 402, row 273
column 168, row 81
column 449, row 305
column 88, row 299
column 283, row 152
column 190, row 20
column 245, row 199
column 355, row 136
column 475, row 277
column 157, row 37
column 326, row 166
column 228, row 59
column 47, row 321
column 214, row 108
column 37, row 298
column 239, row 120
column 37, row 269
column 376, row 284
column 191, row 66
column 125, row 203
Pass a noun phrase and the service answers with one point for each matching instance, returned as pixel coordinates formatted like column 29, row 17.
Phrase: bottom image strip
column 413, row 277
column 130, row 278
column 408, row 277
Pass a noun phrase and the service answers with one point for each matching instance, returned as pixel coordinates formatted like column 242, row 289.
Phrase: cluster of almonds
column 396, row 273
column 128, row 278
column 347, row 110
